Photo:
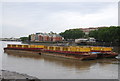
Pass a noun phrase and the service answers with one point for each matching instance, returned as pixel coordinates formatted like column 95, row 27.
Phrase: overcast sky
column 24, row 18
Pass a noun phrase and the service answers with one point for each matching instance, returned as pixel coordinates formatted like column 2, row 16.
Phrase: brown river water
column 58, row 68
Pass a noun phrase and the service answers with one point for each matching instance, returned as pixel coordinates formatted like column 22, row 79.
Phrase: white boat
column 118, row 57
column 85, row 40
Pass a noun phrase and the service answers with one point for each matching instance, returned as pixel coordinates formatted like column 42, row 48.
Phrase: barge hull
column 22, row 52
column 107, row 55
column 67, row 56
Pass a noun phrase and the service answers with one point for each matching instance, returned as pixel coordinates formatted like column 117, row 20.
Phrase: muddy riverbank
column 4, row 74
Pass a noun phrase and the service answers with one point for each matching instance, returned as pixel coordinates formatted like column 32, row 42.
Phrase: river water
column 58, row 68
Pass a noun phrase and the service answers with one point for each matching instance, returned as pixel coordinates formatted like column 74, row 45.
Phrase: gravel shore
column 9, row 76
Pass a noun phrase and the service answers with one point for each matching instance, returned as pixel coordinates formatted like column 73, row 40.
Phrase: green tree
column 29, row 37
column 107, row 34
column 24, row 38
column 72, row 34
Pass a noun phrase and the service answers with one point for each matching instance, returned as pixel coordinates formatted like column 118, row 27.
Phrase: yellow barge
column 72, row 52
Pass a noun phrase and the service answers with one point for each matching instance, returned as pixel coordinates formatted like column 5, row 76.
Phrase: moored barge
column 71, row 52
column 79, row 53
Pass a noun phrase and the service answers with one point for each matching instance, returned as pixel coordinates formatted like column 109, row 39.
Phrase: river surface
column 58, row 68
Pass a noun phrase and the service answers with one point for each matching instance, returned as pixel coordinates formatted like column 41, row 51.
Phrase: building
column 56, row 38
column 87, row 30
column 37, row 36
column 33, row 37
column 46, row 37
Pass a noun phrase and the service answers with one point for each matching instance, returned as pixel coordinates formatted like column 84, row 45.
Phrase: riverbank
column 4, row 74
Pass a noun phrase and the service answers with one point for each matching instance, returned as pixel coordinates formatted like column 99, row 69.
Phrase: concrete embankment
column 9, row 76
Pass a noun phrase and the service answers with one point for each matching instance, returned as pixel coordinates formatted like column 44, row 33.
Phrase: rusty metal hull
column 107, row 55
column 69, row 55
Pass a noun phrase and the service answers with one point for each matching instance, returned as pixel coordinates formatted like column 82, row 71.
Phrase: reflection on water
column 70, row 65
column 59, row 61
column 47, row 67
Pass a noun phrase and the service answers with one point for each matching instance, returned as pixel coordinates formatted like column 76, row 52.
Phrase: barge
column 70, row 52
column 79, row 53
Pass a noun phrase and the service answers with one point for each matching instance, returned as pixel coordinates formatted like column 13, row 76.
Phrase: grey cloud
column 24, row 18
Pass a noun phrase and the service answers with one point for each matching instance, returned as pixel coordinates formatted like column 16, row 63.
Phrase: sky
column 24, row 18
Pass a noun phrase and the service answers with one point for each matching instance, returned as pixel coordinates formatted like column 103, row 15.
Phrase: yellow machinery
column 101, row 48
column 25, row 46
column 63, row 48
column 96, row 48
column 106, row 48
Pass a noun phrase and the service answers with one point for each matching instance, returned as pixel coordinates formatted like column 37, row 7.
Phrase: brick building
column 87, row 30
column 56, row 38
column 46, row 37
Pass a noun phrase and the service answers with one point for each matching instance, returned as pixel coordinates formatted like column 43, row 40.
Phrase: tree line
column 72, row 34
column 25, row 39
column 102, row 34
column 106, row 34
